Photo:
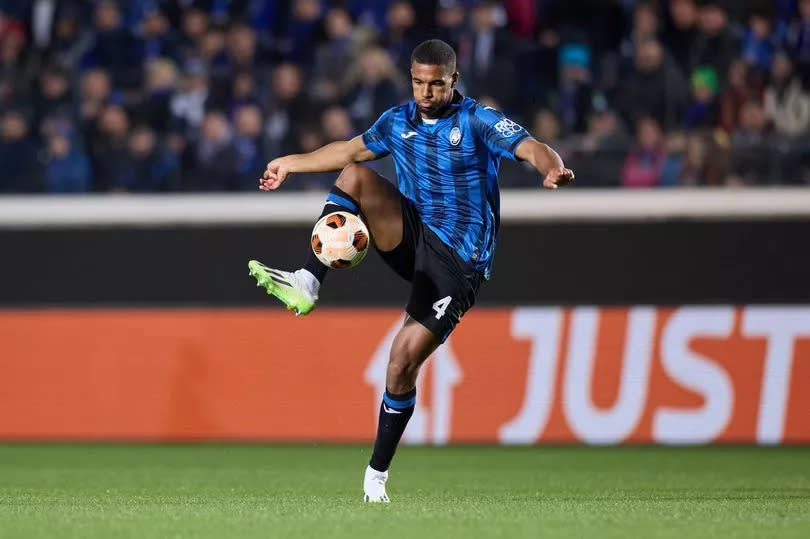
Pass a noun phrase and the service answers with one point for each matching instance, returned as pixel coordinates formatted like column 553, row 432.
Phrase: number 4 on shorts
column 441, row 306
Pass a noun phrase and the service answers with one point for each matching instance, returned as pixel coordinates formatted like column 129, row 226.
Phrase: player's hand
column 558, row 177
column 275, row 174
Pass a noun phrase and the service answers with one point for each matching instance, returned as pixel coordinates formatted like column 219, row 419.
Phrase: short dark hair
column 434, row 52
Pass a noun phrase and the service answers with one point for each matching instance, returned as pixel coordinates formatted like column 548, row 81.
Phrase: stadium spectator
column 656, row 88
column 301, row 30
column 109, row 148
column 53, row 95
column 194, row 28
column 798, row 41
column 68, row 40
column 741, row 87
column 217, row 159
column 161, row 83
column 787, row 104
column 546, row 126
column 372, row 87
column 149, row 167
column 751, row 151
column 244, row 91
column 523, row 17
column 9, row 97
column 716, row 44
column 248, row 127
column 575, row 91
column 18, row 155
column 242, row 50
column 158, row 39
column 95, row 94
column 485, row 55
column 67, row 170
column 14, row 57
column 337, row 124
column 188, row 105
column 285, row 109
column 310, row 137
column 701, row 112
column 450, row 19
column 115, row 48
column 333, row 55
column 402, row 35
column 759, row 42
column 601, row 154
column 681, row 32
column 645, row 160
column 645, row 26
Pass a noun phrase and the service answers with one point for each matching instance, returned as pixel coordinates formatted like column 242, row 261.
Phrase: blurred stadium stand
column 188, row 95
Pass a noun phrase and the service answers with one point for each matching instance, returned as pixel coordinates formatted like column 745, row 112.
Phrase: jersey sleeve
column 377, row 136
column 500, row 134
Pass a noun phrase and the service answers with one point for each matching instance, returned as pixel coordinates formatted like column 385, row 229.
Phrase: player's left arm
column 546, row 161
column 505, row 138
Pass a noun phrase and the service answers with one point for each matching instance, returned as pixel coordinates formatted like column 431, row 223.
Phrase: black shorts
column 443, row 286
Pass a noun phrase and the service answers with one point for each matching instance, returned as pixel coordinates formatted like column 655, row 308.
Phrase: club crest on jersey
column 455, row 136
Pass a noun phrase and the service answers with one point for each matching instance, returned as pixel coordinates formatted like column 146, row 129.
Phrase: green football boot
column 294, row 289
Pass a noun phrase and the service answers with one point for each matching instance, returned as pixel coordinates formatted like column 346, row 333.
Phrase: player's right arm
column 333, row 156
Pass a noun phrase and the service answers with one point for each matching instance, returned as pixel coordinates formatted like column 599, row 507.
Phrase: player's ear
column 454, row 79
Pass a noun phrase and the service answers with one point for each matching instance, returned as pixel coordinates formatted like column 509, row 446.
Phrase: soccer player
column 436, row 228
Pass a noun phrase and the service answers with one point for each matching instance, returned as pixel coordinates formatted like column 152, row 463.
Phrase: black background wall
column 670, row 262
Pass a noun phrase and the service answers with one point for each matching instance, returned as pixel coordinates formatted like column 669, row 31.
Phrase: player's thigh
column 443, row 289
column 379, row 201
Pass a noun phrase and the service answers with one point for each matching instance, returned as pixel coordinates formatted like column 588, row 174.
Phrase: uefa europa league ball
column 340, row 239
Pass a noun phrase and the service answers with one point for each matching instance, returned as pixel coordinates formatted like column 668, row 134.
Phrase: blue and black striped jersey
column 449, row 170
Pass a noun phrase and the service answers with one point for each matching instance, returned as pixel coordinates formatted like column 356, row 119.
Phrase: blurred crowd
column 165, row 95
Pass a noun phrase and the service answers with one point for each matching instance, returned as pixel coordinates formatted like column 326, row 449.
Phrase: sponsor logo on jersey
column 507, row 128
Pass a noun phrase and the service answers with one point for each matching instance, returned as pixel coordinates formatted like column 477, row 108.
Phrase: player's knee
column 402, row 370
column 351, row 179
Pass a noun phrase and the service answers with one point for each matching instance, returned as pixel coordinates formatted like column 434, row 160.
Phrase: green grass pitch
column 244, row 491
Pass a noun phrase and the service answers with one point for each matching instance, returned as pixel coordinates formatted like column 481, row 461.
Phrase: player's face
column 432, row 87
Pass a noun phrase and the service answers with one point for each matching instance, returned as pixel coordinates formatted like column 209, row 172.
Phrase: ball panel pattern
column 317, row 245
column 360, row 240
column 335, row 220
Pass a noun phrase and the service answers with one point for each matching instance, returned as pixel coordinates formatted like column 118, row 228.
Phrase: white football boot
column 374, row 486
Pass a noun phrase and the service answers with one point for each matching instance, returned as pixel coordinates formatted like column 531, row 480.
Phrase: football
column 340, row 240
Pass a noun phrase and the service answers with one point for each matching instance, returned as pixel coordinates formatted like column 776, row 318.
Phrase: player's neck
column 444, row 111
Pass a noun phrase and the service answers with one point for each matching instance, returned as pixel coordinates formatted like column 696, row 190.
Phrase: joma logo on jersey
column 507, row 127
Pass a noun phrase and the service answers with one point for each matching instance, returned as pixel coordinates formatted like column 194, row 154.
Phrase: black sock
column 395, row 411
column 336, row 200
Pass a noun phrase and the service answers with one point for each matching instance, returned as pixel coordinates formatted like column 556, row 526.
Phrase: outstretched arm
column 546, row 161
column 333, row 156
